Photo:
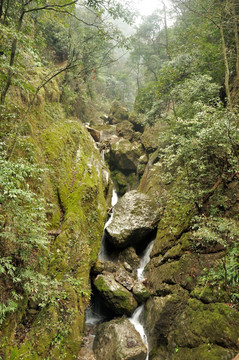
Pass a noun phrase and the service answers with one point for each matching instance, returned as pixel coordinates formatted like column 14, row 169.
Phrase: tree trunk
column 1, row 9
column 6, row 12
column 12, row 60
column 166, row 32
column 236, row 29
column 226, row 64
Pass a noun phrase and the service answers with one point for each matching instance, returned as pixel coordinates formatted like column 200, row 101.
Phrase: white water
column 103, row 256
column 137, row 316
column 136, row 321
column 144, row 261
column 92, row 318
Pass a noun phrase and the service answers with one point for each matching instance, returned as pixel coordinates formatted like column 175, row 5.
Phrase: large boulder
column 118, row 112
column 119, row 340
column 120, row 300
column 125, row 129
column 124, row 155
column 135, row 217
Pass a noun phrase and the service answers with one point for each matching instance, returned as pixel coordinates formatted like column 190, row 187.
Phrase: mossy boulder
column 151, row 181
column 150, row 138
column 125, row 129
column 141, row 293
column 118, row 113
column 203, row 352
column 124, row 182
column 184, row 328
column 135, row 217
column 116, row 296
column 185, row 271
column 124, row 155
column 138, row 122
column 119, row 340
column 161, row 313
column 207, row 323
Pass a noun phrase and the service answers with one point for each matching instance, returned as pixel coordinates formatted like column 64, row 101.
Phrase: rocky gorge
column 147, row 300
column 181, row 318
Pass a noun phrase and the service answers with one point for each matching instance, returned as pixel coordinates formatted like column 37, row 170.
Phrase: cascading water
column 103, row 254
column 95, row 313
column 136, row 318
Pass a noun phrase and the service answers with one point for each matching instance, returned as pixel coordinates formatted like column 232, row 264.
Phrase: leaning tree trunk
column 12, row 60
column 236, row 29
column 226, row 64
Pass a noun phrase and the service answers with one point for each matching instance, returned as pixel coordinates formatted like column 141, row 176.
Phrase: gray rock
column 124, row 154
column 129, row 255
column 125, row 129
column 135, row 217
column 119, row 340
column 116, row 296
column 140, row 292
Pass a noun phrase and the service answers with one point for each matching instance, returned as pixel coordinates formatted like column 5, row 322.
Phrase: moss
column 207, row 323
column 203, row 352
column 175, row 221
column 74, row 193
column 120, row 300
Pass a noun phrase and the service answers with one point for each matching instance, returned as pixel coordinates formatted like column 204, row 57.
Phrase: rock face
column 183, row 320
column 118, row 340
column 135, row 217
column 116, row 296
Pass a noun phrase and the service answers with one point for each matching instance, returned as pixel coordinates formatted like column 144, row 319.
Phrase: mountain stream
column 97, row 312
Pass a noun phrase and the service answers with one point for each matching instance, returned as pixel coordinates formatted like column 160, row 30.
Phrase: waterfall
column 103, row 154
column 144, row 261
column 137, row 317
column 103, row 254
column 94, row 314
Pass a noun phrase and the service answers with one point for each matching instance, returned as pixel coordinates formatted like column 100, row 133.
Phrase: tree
column 63, row 7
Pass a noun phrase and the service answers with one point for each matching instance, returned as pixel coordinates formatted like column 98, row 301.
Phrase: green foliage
column 209, row 230
column 201, row 150
column 24, row 240
column 189, row 95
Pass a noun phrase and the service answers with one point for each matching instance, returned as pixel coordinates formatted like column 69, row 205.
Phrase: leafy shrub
column 24, row 240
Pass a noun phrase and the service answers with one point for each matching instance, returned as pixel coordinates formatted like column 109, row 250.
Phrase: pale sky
column 146, row 7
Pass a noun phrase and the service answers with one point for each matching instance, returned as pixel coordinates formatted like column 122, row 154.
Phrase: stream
column 137, row 317
column 97, row 311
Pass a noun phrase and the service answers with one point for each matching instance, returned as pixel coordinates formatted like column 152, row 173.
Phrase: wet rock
column 161, row 313
column 129, row 255
column 135, row 217
column 119, row 340
column 140, row 292
column 117, row 297
column 123, row 278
